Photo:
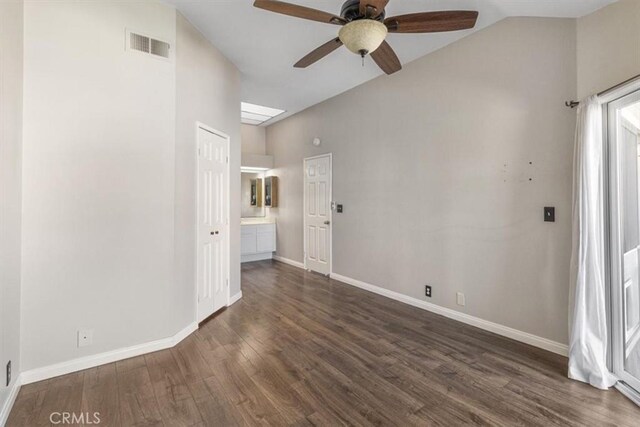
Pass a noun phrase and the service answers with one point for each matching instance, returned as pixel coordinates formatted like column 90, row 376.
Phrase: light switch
column 549, row 214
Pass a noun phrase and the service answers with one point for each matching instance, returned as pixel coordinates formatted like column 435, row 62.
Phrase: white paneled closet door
column 212, row 256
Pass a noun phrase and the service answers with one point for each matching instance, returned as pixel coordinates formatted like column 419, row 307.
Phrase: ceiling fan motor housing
column 351, row 11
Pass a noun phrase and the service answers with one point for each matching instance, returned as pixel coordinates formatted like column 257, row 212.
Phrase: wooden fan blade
column 386, row 58
column 432, row 22
column 378, row 5
column 299, row 11
column 319, row 53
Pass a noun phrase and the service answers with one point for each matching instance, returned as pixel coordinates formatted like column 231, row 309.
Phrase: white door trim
column 227, row 245
column 304, row 216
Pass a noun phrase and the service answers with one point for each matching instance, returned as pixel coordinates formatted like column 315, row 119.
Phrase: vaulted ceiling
column 264, row 45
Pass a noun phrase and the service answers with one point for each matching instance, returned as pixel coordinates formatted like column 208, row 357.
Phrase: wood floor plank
column 275, row 382
column 34, row 387
column 100, row 395
column 213, row 403
column 190, row 361
column 175, row 401
column 209, row 347
column 132, row 363
column 138, row 404
column 236, row 348
column 165, row 375
column 26, row 409
column 63, row 395
column 301, row 349
column 253, row 406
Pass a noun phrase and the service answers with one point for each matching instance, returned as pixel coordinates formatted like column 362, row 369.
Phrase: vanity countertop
column 254, row 221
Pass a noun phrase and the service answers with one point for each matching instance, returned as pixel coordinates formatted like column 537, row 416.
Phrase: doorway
column 623, row 127
column 212, row 221
column 317, row 213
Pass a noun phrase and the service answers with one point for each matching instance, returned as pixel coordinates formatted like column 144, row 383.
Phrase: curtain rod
column 574, row 104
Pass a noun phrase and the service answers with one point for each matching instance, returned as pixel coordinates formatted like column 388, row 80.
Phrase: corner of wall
column 208, row 91
column 11, row 100
column 253, row 139
column 607, row 46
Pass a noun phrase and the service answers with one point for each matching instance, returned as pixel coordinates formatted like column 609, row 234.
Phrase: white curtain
column 588, row 343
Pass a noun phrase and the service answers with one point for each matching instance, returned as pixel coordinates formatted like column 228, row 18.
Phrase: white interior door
column 317, row 213
column 212, row 256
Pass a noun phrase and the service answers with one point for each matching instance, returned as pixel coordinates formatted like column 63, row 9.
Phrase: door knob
column 215, row 232
column 327, row 222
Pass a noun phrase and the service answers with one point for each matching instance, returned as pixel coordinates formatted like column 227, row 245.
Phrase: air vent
column 159, row 48
column 138, row 42
column 148, row 45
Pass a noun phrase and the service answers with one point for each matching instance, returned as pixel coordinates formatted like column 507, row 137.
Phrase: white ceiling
column 265, row 45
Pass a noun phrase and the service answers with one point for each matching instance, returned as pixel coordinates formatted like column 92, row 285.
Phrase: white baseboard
column 255, row 257
column 87, row 362
column 234, row 298
column 496, row 328
column 288, row 261
column 11, row 398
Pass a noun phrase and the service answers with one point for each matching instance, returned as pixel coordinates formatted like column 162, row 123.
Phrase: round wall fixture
column 316, row 142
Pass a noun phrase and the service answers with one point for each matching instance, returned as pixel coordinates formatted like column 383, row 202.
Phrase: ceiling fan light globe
column 363, row 35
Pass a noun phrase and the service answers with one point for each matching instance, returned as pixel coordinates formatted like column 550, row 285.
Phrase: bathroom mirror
column 271, row 192
column 252, row 204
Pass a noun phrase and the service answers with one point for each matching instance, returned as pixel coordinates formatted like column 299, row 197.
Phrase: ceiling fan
column 364, row 28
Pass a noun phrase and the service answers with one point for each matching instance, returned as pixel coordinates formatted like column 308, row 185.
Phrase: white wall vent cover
column 148, row 45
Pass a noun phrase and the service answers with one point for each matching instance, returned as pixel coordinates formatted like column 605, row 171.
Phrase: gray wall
column 253, row 139
column 608, row 47
column 444, row 169
column 109, row 175
column 98, row 178
column 11, row 19
column 208, row 91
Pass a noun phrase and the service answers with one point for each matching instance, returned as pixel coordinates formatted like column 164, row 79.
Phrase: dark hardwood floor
column 300, row 349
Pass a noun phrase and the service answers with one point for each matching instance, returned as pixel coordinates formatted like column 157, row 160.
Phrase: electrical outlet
column 460, row 298
column 85, row 337
column 427, row 291
column 8, row 373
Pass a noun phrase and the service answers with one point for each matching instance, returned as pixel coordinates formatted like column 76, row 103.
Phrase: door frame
column 304, row 211
column 227, row 211
column 612, row 234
